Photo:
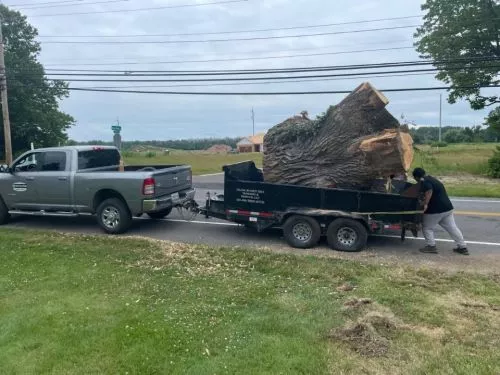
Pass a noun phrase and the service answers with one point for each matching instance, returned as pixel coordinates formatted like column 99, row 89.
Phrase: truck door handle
column 30, row 178
column 62, row 178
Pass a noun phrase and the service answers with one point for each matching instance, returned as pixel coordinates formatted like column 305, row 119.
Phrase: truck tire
column 4, row 213
column 301, row 232
column 114, row 216
column 346, row 235
column 160, row 214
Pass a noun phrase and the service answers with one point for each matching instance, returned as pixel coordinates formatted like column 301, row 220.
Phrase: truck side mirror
column 4, row 168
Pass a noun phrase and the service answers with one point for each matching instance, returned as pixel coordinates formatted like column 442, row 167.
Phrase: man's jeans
column 447, row 221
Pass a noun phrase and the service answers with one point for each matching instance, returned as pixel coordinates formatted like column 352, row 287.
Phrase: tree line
column 180, row 144
column 454, row 134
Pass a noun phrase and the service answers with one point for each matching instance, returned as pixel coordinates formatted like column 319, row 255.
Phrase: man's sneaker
column 461, row 250
column 429, row 250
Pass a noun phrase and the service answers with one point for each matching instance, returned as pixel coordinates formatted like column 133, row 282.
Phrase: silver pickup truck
column 70, row 181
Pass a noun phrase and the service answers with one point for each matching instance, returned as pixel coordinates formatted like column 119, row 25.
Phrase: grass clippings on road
column 83, row 304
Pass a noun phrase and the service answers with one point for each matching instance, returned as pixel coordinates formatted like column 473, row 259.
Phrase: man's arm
column 427, row 188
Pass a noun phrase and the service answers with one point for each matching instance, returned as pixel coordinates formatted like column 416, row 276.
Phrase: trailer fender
column 325, row 216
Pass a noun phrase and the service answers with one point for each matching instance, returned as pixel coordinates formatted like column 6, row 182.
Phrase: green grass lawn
column 81, row 305
column 201, row 163
column 455, row 159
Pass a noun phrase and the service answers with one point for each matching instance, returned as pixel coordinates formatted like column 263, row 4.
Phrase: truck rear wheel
column 160, row 214
column 114, row 216
column 347, row 235
column 301, row 232
column 4, row 213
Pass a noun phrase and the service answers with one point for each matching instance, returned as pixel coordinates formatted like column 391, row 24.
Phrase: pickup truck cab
column 71, row 181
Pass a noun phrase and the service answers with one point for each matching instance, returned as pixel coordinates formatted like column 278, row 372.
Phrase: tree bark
column 354, row 143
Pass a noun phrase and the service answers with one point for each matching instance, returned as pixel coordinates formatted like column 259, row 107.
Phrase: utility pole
column 5, row 102
column 440, row 114
column 253, row 122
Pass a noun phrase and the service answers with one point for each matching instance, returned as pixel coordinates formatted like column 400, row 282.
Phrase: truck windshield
column 97, row 159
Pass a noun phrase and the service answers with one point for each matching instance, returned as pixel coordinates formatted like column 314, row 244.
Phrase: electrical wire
column 230, row 40
column 67, row 5
column 257, row 78
column 141, row 9
column 276, row 93
column 233, row 32
column 240, row 59
column 484, row 59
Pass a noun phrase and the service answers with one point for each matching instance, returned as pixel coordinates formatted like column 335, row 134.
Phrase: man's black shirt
column 440, row 202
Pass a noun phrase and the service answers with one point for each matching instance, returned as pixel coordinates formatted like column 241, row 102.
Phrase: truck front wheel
column 114, row 216
column 301, row 232
column 347, row 235
column 4, row 213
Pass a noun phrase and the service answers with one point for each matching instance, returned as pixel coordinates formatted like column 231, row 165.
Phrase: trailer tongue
column 345, row 217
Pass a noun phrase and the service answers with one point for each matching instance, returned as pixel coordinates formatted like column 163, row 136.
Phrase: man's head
column 418, row 174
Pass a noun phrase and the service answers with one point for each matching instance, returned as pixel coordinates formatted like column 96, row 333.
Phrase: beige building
column 254, row 143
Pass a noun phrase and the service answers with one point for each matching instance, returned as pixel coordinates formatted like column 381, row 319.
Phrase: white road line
column 440, row 240
column 382, row 235
column 474, row 201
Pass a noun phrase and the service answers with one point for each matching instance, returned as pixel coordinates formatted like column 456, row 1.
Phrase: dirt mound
column 357, row 302
column 220, row 149
column 373, row 331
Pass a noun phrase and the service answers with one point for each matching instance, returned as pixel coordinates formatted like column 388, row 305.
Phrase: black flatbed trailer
column 345, row 217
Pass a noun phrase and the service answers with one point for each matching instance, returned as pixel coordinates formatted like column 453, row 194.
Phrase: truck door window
column 30, row 163
column 54, row 161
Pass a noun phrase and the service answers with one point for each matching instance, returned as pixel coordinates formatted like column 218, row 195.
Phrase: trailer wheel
column 347, row 235
column 301, row 232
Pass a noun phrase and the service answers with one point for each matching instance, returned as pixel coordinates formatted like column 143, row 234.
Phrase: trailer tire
column 346, row 235
column 4, row 213
column 301, row 232
column 160, row 214
column 114, row 216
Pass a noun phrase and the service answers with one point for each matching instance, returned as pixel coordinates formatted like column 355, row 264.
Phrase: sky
column 162, row 117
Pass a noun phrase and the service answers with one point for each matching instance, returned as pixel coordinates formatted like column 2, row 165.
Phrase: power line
column 275, row 93
column 262, row 83
column 484, row 59
column 233, row 32
column 40, row 6
column 140, row 9
column 230, row 40
column 257, row 78
column 38, row 3
column 239, row 59
column 253, row 51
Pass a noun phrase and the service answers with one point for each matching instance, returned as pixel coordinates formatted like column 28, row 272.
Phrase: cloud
column 170, row 116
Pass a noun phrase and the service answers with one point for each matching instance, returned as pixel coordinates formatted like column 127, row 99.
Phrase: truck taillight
column 190, row 176
column 148, row 186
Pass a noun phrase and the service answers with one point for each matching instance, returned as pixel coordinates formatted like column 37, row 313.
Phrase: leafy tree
column 468, row 30
column 33, row 100
column 493, row 120
column 454, row 136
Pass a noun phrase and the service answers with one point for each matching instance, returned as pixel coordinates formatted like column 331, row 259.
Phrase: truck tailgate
column 172, row 180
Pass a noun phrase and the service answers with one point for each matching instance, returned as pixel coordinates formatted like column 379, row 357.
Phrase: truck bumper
column 172, row 200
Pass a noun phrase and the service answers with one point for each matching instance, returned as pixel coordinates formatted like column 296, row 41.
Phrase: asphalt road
column 479, row 219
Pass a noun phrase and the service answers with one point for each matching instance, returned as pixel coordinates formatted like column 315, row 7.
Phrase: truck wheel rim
column 302, row 232
column 347, row 236
column 111, row 217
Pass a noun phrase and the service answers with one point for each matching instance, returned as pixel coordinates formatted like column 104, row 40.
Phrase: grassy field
column 80, row 305
column 201, row 163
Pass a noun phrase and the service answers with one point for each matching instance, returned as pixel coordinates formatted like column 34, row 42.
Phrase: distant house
column 254, row 143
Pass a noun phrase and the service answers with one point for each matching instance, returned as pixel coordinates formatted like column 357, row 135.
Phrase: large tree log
column 354, row 143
